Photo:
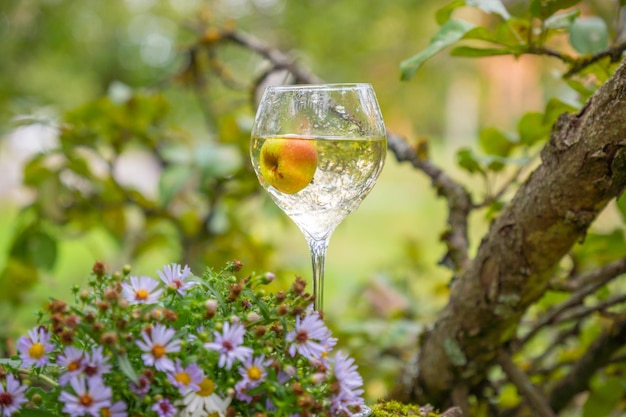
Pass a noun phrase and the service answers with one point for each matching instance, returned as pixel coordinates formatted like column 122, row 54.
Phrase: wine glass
column 318, row 150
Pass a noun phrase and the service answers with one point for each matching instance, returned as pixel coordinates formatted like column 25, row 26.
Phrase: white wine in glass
column 318, row 150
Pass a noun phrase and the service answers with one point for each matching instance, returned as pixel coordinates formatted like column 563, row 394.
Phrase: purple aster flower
column 311, row 338
column 35, row 347
column 142, row 386
column 96, row 364
column 253, row 373
column 228, row 344
column 348, row 382
column 186, row 379
column 157, row 343
column 73, row 359
column 164, row 408
column 11, row 397
column 141, row 290
column 118, row 409
column 90, row 397
column 174, row 278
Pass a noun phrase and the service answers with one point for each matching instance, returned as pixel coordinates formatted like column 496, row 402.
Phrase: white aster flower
column 204, row 401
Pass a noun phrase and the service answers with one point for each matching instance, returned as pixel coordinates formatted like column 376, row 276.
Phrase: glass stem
column 318, row 259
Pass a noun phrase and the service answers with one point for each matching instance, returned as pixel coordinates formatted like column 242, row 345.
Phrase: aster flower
column 310, row 338
column 174, row 278
column 96, row 364
column 35, row 347
column 186, row 379
column 141, row 290
column 229, row 345
column 164, row 408
column 11, row 397
column 253, row 373
column 90, row 397
column 347, row 392
column 156, row 344
column 73, row 359
column 204, row 401
column 119, row 409
column 142, row 386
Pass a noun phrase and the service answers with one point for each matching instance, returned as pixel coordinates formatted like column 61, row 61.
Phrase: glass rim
column 321, row 86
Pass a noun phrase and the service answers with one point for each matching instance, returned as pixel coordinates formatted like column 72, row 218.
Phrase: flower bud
column 83, row 295
column 108, row 338
column 268, row 277
column 103, row 306
column 72, row 321
column 211, row 307
column 99, row 269
column 259, row 331
column 253, row 317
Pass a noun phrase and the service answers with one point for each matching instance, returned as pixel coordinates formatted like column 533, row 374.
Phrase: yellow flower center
column 105, row 412
column 183, row 378
column 36, row 350
column 72, row 366
column 85, row 400
column 141, row 294
column 158, row 351
column 254, row 373
column 207, row 387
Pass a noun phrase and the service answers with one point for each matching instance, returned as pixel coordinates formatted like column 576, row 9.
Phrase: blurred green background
column 57, row 55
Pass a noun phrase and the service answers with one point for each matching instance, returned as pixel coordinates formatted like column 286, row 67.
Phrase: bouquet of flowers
column 180, row 345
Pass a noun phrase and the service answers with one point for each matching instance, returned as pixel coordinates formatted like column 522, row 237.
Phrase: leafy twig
column 597, row 356
column 587, row 284
column 614, row 54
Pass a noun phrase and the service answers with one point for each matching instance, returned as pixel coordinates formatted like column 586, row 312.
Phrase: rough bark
column 583, row 167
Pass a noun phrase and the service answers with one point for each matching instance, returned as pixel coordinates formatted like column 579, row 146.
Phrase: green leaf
column 448, row 34
column 171, row 181
column 16, row 278
column 467, row 160
column 554, row 109
column 36, row 172
column 495, row 142
column 35, row 247
column 114, row 220
column 581, row 88
column 471, row 52
column 562, row 20
column 543, row 9
column 217, row 161
column 604, row 398
column 491, row 6
column 532, row 129
column 35, row 412
column 589, row 35
column 509, row 34
column 443, row 15
column 126, row 367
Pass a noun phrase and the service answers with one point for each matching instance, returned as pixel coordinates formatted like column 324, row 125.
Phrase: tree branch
column 535, row 399
column 582, row 169
column 459, row 200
